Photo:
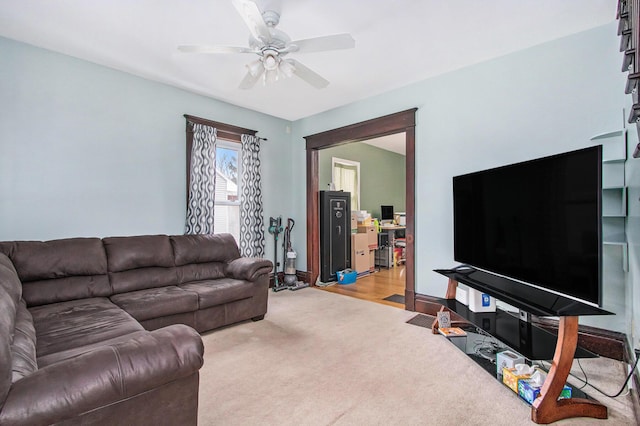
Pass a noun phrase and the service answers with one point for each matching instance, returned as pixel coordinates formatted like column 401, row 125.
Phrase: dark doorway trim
column 399, row 122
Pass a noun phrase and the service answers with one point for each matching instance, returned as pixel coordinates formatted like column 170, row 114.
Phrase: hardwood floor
column 375, row 286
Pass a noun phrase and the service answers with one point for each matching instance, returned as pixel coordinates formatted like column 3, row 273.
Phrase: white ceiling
column 397, row 42
column 395, row 143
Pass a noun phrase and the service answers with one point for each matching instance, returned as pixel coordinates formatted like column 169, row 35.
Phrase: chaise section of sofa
column 85, row 360
column 102, row 331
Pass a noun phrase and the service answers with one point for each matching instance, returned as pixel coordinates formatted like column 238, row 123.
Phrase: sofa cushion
column 76, row 323
column 156, row 302
column 205, row 248
column 216, row 292
column 59, row 270
column 125, row 253
column 141, row 262
column 7, row 322
column 63, row 355
column 9, row 279
column 203, row 257
column 23, row 347
column 9, row 298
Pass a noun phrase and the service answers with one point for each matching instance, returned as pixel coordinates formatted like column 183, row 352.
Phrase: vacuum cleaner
column 275, row 228
column 290, row 276
column 289, row 257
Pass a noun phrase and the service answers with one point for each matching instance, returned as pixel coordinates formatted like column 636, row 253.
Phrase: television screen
column 538, row 222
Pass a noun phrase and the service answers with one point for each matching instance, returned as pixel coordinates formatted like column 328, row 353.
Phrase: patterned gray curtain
column 202, row 188
column 251, row 222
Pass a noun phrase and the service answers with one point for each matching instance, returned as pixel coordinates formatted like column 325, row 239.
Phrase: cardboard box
column 507, row 359
column 481, row 302
column 359, row 242
column 359, row 253
column 372, row 235
column 529, row 392
column 372, row 260
column 510, row 378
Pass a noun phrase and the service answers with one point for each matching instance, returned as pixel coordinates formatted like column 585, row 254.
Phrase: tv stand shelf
column 530, row 299
column 532, row 342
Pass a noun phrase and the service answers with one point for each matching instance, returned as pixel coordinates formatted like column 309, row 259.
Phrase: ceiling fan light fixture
column 270, row 77
column 255, row 67
column 272, row 45
column 270, row 60
column 287, row 68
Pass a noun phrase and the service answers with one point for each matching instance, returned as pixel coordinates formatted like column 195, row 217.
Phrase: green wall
column 382, row 175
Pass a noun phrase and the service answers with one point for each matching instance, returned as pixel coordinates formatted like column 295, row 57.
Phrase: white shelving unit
column 614, row 190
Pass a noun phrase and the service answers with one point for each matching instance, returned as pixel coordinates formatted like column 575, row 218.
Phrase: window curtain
column 252, row 239
column 202, row 189
column 346, row 179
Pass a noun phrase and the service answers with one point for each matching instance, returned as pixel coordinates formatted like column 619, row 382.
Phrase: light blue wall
column 541, row 101
column 89, row 151
column 632, row 170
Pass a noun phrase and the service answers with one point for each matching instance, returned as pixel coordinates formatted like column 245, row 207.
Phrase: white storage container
column 462, row 295
column 481, row 302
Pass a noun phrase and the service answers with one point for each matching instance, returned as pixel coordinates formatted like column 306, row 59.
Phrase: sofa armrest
column 104, row 376
column 249, row 268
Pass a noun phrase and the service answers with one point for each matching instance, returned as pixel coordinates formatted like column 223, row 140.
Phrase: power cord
column 622, row 388
column 487, row 347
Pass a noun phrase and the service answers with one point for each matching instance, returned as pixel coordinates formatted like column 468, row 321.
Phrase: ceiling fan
column 272, row 45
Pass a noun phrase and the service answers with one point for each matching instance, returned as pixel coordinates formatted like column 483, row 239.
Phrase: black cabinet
column 335, row 233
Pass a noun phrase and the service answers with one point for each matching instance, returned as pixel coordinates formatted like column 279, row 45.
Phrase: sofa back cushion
column 140, row 262
column 23, row 347
column 59, row 270
column 203, row 257
column 9, row 299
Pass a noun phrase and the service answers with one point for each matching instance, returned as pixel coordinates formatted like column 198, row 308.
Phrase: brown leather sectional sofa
column 93, row 330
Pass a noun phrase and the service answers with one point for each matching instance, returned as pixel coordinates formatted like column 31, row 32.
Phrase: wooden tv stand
column 547, row 408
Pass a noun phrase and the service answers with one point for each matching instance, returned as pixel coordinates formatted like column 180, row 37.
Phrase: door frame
column 399, row 122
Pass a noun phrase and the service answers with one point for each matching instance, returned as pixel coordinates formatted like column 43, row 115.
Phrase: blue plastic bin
column 347, row 276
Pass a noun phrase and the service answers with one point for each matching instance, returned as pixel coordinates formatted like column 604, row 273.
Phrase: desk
column 390, row 230
column 384, row 254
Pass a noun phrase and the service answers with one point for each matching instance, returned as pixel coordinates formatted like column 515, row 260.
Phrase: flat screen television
column 538, row 222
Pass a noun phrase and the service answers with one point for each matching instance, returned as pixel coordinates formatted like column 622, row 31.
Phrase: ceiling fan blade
column 214, row 49
column 250, row 80
column 253, row 19
column 308, row 75
column 319, row 44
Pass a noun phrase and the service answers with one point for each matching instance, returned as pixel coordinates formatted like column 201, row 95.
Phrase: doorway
column 390, row 124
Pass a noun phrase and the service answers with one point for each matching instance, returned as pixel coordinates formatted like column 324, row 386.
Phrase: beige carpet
column 320, row 358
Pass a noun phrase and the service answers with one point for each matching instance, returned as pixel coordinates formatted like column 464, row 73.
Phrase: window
column 228, row 181
column 346, row 177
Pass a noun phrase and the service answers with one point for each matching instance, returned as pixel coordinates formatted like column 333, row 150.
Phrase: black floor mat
column 422, row 320
column 397, row 298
